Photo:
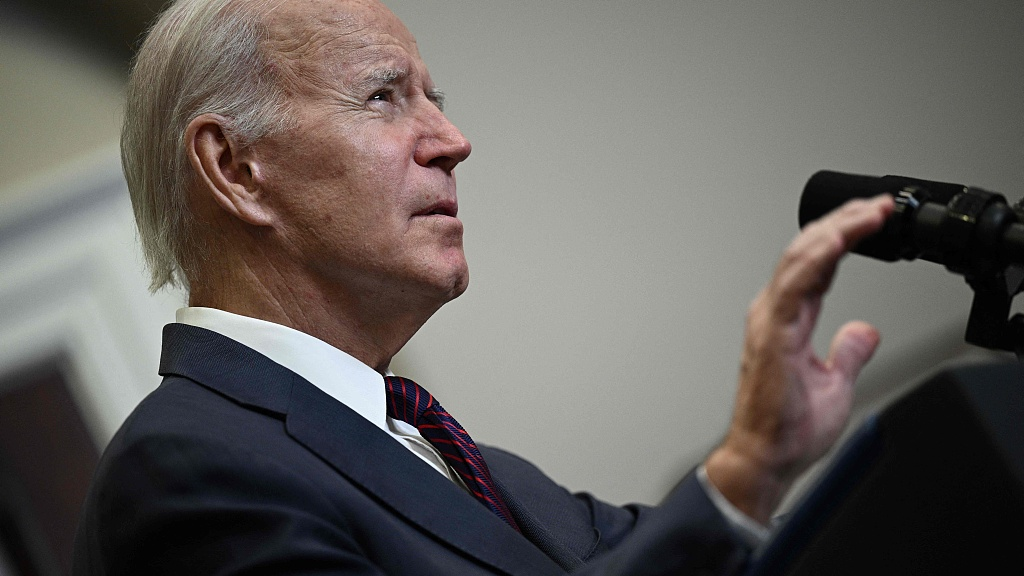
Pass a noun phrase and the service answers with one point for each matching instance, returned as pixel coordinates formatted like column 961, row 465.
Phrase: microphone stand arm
column 989, row 324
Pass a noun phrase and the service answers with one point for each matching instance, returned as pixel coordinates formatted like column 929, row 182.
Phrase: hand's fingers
column 852, row 347
column 809, row 263
column 851, row 222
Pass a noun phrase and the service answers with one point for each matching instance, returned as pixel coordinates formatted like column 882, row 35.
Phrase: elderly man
column 289, row 162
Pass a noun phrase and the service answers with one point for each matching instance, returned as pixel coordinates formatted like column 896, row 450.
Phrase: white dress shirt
column 362, row 389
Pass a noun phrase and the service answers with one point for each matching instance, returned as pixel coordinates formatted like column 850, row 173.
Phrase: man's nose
column 442, row 144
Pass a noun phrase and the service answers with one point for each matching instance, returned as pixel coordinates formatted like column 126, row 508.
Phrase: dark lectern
column 932, row 484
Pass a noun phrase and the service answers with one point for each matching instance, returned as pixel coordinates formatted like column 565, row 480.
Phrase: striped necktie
column 409, row 402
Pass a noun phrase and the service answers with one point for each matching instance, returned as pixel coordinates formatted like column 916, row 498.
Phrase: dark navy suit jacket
column 236, row 465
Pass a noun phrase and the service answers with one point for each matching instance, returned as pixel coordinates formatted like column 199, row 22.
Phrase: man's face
column 362, row 182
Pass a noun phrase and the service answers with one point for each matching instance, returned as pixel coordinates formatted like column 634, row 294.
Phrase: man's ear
column 227, row 171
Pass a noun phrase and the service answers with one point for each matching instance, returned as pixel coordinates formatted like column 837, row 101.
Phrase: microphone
column 969, row 230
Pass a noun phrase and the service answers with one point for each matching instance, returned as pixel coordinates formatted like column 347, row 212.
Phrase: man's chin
column 446, row 278
column 461, row 288
column 458, row 285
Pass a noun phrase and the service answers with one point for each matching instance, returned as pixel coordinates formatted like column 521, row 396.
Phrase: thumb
column 852, row 347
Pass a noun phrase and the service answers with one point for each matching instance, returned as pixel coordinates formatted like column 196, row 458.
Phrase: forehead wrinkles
column 298, row 42
column 317, row 46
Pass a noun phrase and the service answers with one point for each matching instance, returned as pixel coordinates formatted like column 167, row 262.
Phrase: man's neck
column 372, row 333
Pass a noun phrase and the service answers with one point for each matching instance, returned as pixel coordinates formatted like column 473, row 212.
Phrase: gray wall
column 635, row 174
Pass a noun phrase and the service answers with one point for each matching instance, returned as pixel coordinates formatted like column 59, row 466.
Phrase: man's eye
column 382, row 96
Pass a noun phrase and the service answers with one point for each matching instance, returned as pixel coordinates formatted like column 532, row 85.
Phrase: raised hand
column 791, row 405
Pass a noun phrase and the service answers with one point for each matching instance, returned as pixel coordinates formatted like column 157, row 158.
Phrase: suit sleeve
column 686, row 534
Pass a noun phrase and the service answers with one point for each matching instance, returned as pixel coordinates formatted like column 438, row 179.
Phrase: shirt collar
column 341, row 376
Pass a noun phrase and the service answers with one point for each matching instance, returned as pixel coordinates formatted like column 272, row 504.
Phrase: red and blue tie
column 409, row 402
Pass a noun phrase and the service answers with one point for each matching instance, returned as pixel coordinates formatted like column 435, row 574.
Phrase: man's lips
column 441, row 208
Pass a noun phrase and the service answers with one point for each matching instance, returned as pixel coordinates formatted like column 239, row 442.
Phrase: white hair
column 201, row 56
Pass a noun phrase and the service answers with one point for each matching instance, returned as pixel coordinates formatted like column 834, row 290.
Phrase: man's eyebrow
column 380, row 77
column 388, row 75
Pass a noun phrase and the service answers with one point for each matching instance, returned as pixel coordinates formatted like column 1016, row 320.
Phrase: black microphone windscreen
column 826, row 190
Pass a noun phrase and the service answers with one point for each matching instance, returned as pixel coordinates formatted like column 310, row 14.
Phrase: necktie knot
column 411, row 403
column 407, row 400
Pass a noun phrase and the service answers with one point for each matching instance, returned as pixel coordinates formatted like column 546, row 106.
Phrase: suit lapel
column 368, row 457
column 354, row 447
